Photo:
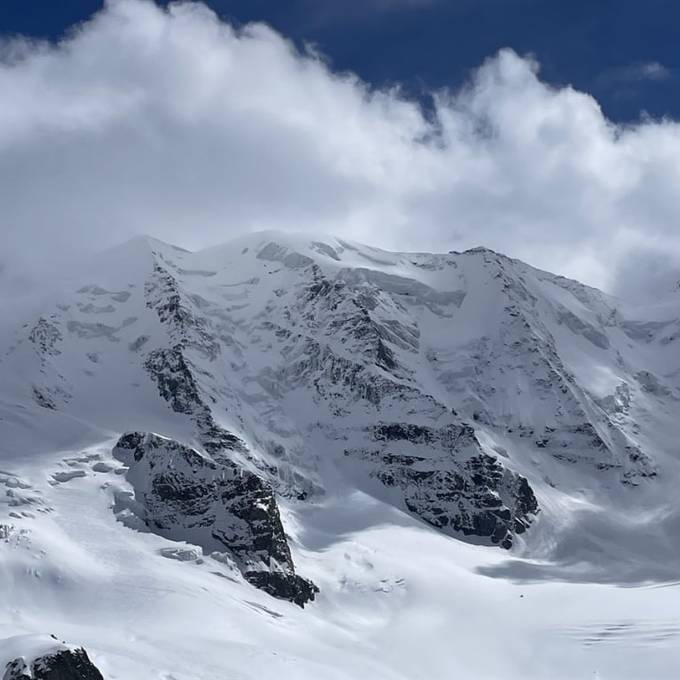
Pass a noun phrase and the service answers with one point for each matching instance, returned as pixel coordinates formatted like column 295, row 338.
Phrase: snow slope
column 469, row 458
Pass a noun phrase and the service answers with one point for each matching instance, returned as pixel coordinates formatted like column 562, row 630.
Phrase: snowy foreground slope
column 300, row 458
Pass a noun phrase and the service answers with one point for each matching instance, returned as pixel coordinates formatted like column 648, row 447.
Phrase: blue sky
column 624, row 52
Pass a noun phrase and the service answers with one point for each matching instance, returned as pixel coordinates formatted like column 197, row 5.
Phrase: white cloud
column 653, row 70
column 634, row 73
column 175, row 124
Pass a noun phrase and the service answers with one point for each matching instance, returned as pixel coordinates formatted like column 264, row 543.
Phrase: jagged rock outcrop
column 186, row 329
column 448, row 481
column 59, row 663
column 45, row 336
column 176, row 384
column 216, row 504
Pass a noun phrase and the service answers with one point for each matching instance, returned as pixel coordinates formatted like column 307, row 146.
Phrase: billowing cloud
column 176, row 124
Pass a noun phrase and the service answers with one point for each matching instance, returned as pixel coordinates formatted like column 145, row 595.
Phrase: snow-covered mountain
column 354, row 441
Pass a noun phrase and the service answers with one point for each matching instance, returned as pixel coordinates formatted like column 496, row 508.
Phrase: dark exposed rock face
column 355, row 354
column 455, row 487
column 216, row 504
column 483, row 499
column 43, row 399
column 186, row 329
column 45, row 336
column 170, row 367
column 281, row 585
column 176, row 384
column 66, row 664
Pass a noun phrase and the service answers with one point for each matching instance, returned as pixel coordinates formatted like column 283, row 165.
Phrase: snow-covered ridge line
column 369, row 320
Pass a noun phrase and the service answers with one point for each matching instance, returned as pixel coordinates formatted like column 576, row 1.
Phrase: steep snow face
column 300, row 357
column 464, row 393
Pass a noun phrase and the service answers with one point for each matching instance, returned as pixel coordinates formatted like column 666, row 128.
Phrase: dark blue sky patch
column 624, row 52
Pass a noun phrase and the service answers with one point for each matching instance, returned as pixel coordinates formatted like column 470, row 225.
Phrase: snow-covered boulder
column 37, row 657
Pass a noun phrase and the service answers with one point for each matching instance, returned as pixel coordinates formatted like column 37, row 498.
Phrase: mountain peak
column 297, row 411
column 146, row 242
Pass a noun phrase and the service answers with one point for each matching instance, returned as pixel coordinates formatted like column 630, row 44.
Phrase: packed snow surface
column 476, row 463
